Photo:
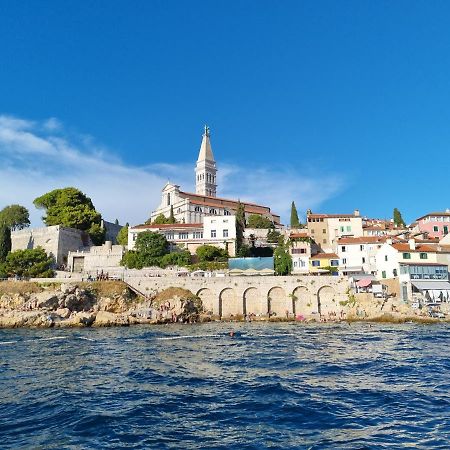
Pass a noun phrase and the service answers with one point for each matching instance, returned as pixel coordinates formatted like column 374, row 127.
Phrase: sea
column 226, row 386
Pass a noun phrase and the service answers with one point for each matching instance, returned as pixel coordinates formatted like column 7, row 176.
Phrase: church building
column 192, row 208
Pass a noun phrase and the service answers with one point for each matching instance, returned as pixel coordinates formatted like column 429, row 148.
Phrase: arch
column 278, row 302
column 253, row 302
column 301, row 301
column 207, row 298
column 228, row 303
column 326, row 301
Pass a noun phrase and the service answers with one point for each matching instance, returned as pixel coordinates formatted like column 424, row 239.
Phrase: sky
column 334, row 105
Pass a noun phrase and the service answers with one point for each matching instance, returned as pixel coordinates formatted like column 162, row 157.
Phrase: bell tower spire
column 205, row 169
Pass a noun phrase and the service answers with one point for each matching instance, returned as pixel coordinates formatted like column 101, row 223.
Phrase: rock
column 68, row 288
column 107, row 319
column 64, row 313
column 46, row 299
column 77, row 319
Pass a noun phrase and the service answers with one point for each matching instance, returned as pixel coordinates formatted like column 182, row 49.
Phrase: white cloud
column 35, row 158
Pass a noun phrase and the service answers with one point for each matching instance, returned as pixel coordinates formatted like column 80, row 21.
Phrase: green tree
column 69, row 207
column 282, row 261
column 161, row 219
column 398, row 219
column 150, row 246
column 16, row 217
column 171, row 216
column 257, row 221
column 29, row 263
column 211, row 253
column 240, row 226
column 180, row 258
column 273, row 236
column 122, row 236
column 244, row 252
column 295, row 222
column 132, row 260
column 5, row 242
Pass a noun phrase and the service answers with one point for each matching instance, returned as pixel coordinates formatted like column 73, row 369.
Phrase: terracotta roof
column 403, row 247
column 168, row 226
column 362, row 240
column 223, row 202
column 298, row 235
column 325, row 256
column 438, row 214
column 330, row 216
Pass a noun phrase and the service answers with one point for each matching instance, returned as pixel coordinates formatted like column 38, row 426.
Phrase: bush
column 29, row 263
column 211, row 253
column 256, row 221
column 182, row 258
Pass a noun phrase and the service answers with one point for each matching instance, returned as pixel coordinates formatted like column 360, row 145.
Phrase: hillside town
column 206, row 236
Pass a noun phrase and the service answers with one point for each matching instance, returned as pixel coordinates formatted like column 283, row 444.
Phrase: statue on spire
column 206, row 131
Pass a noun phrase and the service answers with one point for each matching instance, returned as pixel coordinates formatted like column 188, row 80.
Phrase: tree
column 122, row 236
column 161, row 219
column 244, row 252
column 29, row 263
column 240, row 226
column 171, row 216
column 181, row 258
column 295, row 222
column 151, row 245
column 16, row 217
column 211, row 253
column 5, row 242
column 398, row 219
column 273, row 236
column 282, row 261
column 257, row 221
column 69, row 207
column 132, row 260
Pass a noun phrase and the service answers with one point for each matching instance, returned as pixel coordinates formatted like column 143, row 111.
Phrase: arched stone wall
column 279, row 302
column 326, row 300
column 254, row 302
column 303, row 303
column 208, row 300
column 228, row 303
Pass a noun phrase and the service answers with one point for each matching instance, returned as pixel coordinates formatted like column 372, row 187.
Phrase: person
column 231, row 333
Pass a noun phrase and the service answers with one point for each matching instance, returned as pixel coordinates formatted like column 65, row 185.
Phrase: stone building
column 56, row 240
column 97, row 258
column 192, row 208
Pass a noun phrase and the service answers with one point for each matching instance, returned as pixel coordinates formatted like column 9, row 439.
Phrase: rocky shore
column 99, row 304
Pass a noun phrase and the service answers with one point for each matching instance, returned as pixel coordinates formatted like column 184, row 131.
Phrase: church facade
column 193, row 208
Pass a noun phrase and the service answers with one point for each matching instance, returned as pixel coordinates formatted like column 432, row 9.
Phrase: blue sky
column 336, row 105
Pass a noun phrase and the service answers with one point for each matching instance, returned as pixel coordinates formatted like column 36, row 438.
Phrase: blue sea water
column 286, row 385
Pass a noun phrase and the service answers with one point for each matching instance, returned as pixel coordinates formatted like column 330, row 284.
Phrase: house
column 301, row 248
column 357, row 254
column 326, row 229
column 219, row 231
column 436, row 224
column 323, row 262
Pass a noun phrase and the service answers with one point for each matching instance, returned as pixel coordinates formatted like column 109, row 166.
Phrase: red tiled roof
column 325, row 256
column 403, row 247
column 331, row 216
column 438, row 214
column 298, row 235
column 169, row 226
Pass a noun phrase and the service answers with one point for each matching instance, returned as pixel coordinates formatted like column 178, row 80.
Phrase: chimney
column 108, row 245
column 356, row 213
column 412, row 244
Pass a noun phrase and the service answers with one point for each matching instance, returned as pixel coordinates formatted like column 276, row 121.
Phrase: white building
column 192, row 208
column 358, row 255
column 219, row 231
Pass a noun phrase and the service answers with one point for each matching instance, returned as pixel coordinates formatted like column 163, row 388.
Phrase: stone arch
column 229, row 304
column 253, row 302
column 207, row 297
column 326, row 300
column 302, row 302
column 278, row 302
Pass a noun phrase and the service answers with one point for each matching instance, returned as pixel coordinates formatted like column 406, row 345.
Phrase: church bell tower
column 205, row 169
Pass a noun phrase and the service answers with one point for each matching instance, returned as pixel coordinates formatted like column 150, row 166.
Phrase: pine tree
column 240, row 226
column 398, row 219
column 295, row 222
column 171, row 215
column 5, row 242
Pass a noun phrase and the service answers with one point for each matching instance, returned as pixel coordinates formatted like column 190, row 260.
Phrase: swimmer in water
column 231, row 333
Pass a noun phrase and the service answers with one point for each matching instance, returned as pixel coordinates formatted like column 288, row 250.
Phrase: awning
column 364, row 282
column 431, row 285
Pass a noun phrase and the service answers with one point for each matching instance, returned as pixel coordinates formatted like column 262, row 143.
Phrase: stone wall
column 98, row 258
column 260, row 295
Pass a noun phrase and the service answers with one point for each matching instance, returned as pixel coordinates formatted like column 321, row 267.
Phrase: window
column 385, row 258
column 183, row 235
column 424, row 256
column 312, row 231
column 435, row 229
column 198, row 235
column 168, row 199
column 179, row 210
column 334, row 263
column 445, row 229
column 198, row 209
column 225, row 221
column 363, row 260
column 295, row 263
column 226, row 212
column 342, row 229
column 302, row 263
column 169, row 235
column 361, row 248
column 134, row 236
column 315, row 263
column 383, row 274
column 406, row 255
column 344, row 260
column 349, row 229
column 212, row 211
column 324, row 230
column 324, row 241
column 225, row 233
column 394, row 272
column 213, row 233
column 343, row 249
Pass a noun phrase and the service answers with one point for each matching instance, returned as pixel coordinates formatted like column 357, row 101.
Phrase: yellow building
column 322, row 262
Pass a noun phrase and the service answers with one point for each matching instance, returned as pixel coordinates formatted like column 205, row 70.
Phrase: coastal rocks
column 108, row 319
column 46, row 299
column 77, row 319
